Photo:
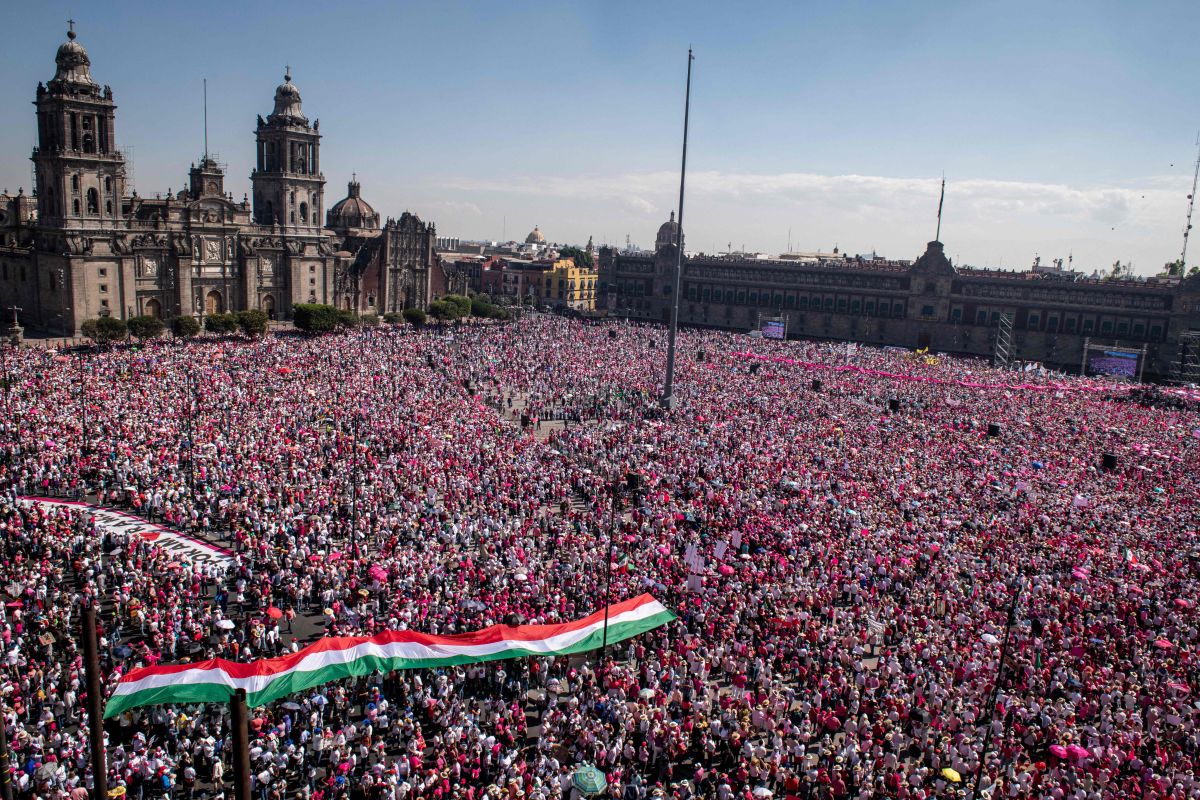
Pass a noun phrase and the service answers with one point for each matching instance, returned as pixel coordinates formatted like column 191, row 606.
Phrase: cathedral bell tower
column 80, row 173
column 288, row 185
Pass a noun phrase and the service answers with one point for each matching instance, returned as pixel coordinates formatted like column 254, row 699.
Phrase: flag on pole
column 215, row 680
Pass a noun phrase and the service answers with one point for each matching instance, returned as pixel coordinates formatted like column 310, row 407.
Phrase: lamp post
column 668, row 398
column 632, row 482
column 991, row 709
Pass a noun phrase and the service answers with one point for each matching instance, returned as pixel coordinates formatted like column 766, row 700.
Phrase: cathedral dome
column 73, row 63
column 287, row 101
column 535, row 237
column 668, row 232
column 352, row 211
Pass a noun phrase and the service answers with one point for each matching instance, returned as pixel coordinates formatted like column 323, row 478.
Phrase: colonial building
column 1044, row 316
column 83, row 247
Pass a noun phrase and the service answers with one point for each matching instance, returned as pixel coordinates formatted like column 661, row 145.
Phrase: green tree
column 315, row 317
column 348, row 319
column 462, row 304
column 146, row 327
column 253, row 322
column 415, row 317
column 1173, row 269
column 443, row 310
column 370, row 320
column 185, row 327
column 393, row 318
column 220, row 323
column 105, row 330
column 582, row 257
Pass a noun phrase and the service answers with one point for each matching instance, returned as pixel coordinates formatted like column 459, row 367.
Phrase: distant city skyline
column 1062, row 131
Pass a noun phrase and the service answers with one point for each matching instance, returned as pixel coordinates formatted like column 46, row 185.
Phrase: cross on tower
column 287, row 72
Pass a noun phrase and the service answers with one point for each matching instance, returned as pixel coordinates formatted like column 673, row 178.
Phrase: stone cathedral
column 81, row 246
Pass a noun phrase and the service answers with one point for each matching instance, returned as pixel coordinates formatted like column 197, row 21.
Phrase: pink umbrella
column 1182, row 603
column 1077, row 751
column 1163, row 644
column 1182, row 688
column 725, row 569
column 1058, row 751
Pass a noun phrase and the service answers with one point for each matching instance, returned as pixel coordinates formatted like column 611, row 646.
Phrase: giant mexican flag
column 329, row 659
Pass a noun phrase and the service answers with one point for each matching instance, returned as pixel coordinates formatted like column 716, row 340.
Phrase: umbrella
column 646, row 694
column 589, row 780
column 762, row 791
column 1077, row 751
column 291, row 705
column 1058, row 751
column 274, row 613
column 116, row 791
column 1182, row 603
column 225, row 624
column 951, row 775
column 1163, row 644
column 989, row 638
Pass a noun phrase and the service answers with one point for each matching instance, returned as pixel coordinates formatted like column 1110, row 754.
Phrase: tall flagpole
column 95, row 701
column 668, row 398
column 938, row 236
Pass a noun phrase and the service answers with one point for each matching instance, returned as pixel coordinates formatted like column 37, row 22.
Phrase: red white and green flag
column 330, row 659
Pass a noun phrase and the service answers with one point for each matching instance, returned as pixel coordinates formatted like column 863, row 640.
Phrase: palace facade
column 1045, row 316
column 81, row 246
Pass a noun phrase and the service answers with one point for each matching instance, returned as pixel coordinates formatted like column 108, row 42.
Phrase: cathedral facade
column 82, row 247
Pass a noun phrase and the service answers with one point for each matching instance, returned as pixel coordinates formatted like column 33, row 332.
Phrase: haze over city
column 1061, row 130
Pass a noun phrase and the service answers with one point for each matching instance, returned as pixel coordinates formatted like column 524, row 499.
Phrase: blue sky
column 1061, row 127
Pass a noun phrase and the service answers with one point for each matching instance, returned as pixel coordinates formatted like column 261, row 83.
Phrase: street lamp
column 632, row 483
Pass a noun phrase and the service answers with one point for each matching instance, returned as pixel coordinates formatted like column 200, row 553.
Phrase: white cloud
column 986, row 221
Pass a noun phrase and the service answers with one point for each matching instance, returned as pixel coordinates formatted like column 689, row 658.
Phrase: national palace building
column 80, row 246
column 1042, row 315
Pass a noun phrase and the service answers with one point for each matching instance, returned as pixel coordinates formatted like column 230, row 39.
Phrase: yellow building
column 566, row 284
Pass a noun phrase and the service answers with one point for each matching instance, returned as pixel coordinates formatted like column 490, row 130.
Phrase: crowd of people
column 874, row 598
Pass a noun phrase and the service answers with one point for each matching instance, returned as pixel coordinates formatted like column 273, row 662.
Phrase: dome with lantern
column 668, row 233
column 287, row 103
column 535, row 237
column 73, row 64
column 352, row 211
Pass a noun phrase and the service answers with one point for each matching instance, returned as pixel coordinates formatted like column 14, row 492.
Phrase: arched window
column 88, row 143
column 108, row 207
column 153, row 308
column 108, row 185
column 75, row 206
column 93, row 201
column 74, row 183
column 304, row 212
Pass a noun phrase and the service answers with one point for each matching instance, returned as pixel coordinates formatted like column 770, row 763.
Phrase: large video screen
column 1113, row 362
column 774, row 329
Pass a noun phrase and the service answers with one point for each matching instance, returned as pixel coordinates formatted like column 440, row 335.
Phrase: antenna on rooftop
column 206, row 119
column 1191, row 204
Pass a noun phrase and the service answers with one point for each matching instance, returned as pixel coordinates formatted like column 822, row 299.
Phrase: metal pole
column 987, row 736
column 354, row 490
column 95, row 702
column 612, row 523
column 241, row 745
column 83, row 406
column 668, row 399
column 6, row 792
